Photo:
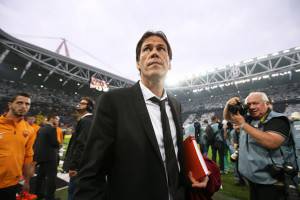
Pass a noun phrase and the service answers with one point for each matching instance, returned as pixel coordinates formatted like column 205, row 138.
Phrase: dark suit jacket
column 122, row 147
column 46, row 144
column 77, row 143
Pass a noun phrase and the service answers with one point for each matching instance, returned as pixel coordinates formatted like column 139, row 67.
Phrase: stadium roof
column 255, row 68
column 21, row 61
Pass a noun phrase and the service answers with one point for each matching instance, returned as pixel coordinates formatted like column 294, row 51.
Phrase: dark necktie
column 171, row 161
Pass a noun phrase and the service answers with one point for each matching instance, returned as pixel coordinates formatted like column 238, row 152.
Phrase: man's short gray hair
column 263, row 96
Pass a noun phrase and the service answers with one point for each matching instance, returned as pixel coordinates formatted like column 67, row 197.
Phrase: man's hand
column 72, row 173
column 237, row 119
column 226, row 113
column 197, row 184
column 26, row 186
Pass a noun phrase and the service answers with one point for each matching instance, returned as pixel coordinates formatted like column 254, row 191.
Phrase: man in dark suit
column 46, row 154
column 134, row 149
column 77, row 142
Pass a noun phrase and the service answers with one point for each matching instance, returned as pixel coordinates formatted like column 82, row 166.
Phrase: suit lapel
column 143, row 115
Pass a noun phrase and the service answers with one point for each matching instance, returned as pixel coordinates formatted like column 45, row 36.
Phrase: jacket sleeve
column 79, row 143
column 97, row 156
column 29, row 148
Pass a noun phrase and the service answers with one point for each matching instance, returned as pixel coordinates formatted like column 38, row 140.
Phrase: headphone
column 90, row 104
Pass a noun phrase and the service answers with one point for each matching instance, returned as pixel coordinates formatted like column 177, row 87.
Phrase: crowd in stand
column 206, row 101
column 44, row 100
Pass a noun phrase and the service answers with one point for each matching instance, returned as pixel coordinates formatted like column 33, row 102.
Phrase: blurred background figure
column 46, row 156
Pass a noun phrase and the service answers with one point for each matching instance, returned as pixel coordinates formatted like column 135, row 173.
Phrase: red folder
column 194, row 160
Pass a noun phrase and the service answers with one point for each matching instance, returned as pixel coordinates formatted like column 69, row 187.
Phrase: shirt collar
column 148, row 94
column 87, row 114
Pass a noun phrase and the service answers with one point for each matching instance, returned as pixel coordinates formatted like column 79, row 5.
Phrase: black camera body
column 277, row 171
column 238, row 107
column 285, row 174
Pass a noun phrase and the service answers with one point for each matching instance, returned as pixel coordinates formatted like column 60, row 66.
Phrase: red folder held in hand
column 194, row 161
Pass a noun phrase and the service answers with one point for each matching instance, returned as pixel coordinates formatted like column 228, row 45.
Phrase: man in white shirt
column 134, row 150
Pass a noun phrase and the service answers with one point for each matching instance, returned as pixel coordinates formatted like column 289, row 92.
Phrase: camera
column 238, row 107
column 278, row 171
column 285, row 174
column 234, row 156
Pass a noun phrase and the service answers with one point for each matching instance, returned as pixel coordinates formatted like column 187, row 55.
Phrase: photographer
column 263, row 135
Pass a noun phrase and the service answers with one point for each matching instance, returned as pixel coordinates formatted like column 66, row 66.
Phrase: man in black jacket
column 45, row 154
column 134, row 149
column 77, row 142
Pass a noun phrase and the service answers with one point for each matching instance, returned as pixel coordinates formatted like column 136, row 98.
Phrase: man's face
column 31, row 120
column 154, row 60
column 55, row 121
column 82, row 106
column 20, row 106
column 257, row 107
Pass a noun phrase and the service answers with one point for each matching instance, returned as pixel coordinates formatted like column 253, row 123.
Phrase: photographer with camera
column 264, row 141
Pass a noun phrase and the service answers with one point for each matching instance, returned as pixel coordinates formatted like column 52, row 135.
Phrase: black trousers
column 45, row 180
column 9, row 193
column 220, row 148
column 263, row 192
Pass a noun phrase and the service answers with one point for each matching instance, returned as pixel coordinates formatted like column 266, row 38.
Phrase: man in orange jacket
column 16, row 141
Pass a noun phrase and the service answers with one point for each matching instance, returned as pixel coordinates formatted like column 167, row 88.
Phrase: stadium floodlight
column 275, row 54
column 39, row 74
column 297, row 70
column 173, row 79
column 286, row 51
column 266, row 76
column 42, row 86
column 61, row 80
column 262, row 57
column 75, row 93
column 275, row 75
column 78, row 84
column 15, row 68
column 248, row 60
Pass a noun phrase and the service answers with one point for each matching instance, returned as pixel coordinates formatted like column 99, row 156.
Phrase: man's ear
column 138, row 67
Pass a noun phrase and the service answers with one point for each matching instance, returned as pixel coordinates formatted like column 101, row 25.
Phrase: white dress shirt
column 154, row 113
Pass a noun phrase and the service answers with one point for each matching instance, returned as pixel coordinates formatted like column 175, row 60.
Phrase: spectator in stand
column 16, row 141
column 77, row 142
column 46, row 156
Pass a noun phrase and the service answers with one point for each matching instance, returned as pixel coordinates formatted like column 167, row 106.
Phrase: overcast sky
column 204, row 34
